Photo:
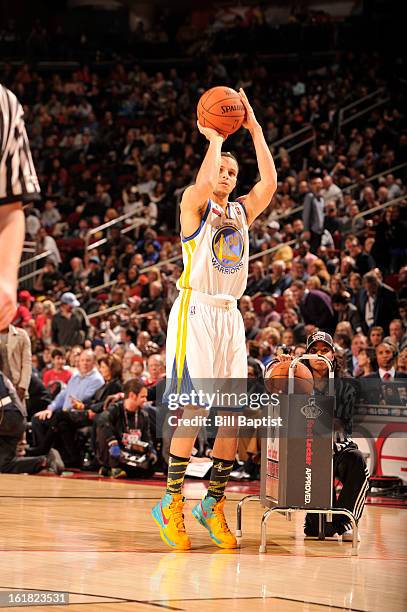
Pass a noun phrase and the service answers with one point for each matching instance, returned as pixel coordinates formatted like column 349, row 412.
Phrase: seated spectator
column 268, row 312
column 124, row 441
column 363, row 261
column 402, row 361
column 315, row 306
column 155, row 370
column 387, row 385
column 276, row 282
column 375, row 335
column 156, row 333
column 58, row 372
column 250, row 325
column 365, row 363
column 81, row 387
column 397, row 334
column 256, row 279
column 48, row 279
column 290, row 320
column 346, row 311
column 39, row 397
column 83, row 413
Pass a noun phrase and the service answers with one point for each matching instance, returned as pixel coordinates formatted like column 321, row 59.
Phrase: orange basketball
column 222, row 109
column 276, row 378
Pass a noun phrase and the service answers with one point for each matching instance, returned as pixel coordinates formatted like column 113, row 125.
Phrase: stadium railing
column 309, row 128
column 95, row 230
column 366, row 213
column 378, row 96
column 374, row 177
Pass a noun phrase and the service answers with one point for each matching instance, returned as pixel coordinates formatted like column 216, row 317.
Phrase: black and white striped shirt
column 18, row 179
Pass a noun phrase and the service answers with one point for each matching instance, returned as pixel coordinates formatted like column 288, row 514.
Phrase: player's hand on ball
column 209, row 133
column 250, row 122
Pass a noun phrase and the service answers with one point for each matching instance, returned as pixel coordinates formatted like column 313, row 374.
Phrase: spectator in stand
column 51, row 216
column 363, row 261
column 330, row 191
column 47, row 243
column 268, row 311
column 313, row 215
column 156, row 333
column 381, row 386
column 365, row 363
column 155, row 370
column 38, row 396
column 346, row 311
column 95, row 275
column 378, row 303
column 402, row 361
column 332, row 222
column 15, row 353
column 58, row 372
column 375, row 335
column 359, row 342
column 250, row 325
column 290, row 320
column 23, row 314
column 82, row 414
column 315, row 306
column 276, row 282
column 81, row 387
column 256, row 279
column 397, row 334
column 68, row 326
column 43, row 321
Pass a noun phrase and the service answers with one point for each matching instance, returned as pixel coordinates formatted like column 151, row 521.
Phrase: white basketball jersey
column 216, row 256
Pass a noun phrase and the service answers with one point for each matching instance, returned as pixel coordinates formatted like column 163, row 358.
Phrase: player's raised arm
column 260, row 196
column 195, row 197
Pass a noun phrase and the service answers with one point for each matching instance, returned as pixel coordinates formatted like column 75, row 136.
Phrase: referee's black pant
column 12, row 427
column 350, row 469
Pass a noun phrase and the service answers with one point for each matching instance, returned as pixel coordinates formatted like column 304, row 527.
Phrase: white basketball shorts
column 205, row 340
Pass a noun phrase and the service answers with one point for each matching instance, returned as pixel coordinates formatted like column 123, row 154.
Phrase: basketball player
column 205, row 337
column 18, row 185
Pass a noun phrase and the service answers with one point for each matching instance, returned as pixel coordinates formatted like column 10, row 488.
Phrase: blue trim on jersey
column 244, row 209
column 203, row 220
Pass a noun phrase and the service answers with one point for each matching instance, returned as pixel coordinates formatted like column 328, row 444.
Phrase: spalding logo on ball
column 222, row 109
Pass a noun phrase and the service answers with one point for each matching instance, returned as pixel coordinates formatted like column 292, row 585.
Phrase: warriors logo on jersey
column 228, row 249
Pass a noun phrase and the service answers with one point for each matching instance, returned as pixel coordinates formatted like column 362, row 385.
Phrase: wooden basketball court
column 96, row 540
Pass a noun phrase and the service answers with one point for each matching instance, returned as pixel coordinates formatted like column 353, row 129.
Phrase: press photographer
column 124, row 442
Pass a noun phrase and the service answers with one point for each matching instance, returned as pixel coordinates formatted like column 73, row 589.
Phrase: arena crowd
column 329, row 253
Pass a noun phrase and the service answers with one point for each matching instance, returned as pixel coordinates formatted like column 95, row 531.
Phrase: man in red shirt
column 23, row 312
column 57, row 373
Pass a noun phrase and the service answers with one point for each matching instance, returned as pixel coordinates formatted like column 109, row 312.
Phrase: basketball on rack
column 276, row 378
